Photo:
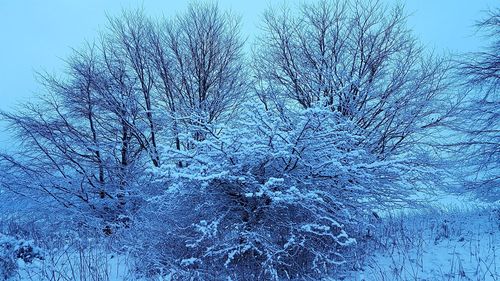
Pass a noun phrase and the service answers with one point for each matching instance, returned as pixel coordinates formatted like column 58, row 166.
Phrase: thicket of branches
column 206, row 164
column 123, row 97
column 480, row 127
column 361, row 60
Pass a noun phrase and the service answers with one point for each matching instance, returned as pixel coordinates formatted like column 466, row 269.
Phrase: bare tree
column 89, row 137
column 121, row 110
column 60, row 137
column 483, row 68
column 357, row 58
column 198, row 61
column 127, row 42
column 78, row 145
column 480, row 125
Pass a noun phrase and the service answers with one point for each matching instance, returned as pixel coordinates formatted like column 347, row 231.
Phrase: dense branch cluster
column 357, row 59
column 479, row 130
column 207, row 163
column 124, row 96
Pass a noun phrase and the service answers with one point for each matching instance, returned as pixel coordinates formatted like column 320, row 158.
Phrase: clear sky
column 37, row 35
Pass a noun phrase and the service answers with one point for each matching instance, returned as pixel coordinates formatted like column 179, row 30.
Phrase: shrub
column 12, row 250
column 274, row 199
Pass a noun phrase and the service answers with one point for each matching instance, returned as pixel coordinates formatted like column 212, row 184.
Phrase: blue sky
column 38, row 35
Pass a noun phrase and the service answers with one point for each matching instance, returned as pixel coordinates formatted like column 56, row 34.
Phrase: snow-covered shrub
column 47, row 249
column 272, row 198
column 220, row 229
column 13, row 250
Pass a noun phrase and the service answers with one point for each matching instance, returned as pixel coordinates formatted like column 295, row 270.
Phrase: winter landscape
column 329, row 143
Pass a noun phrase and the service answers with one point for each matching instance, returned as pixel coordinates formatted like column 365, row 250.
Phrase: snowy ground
column 433, row 246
